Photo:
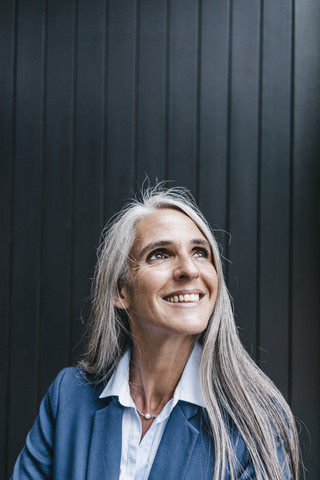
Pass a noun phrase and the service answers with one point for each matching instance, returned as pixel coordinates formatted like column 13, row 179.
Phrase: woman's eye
column 201, row 253
column 157, row 255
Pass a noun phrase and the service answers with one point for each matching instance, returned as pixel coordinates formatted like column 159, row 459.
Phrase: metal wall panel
column 7, row 143
column 27, row 219
column 305, row 260
column 244, row 163
column 120, row 103
column 58, row 178
column 220, row 96
column 275, row 192
column 215, row 92
column 151, row 91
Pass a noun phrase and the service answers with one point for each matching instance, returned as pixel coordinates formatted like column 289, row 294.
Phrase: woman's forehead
column 165, row 224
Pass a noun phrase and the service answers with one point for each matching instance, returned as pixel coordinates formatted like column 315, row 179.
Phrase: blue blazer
column 77, row 436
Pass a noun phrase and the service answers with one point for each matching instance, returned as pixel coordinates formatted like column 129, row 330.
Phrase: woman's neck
column 155, row 370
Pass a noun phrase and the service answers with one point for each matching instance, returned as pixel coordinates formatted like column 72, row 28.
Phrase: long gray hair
column 232, row 384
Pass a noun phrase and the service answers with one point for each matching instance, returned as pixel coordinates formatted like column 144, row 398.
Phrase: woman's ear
column 121, row 296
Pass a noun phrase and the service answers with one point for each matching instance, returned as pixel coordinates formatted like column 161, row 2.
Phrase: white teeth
column 192, row 297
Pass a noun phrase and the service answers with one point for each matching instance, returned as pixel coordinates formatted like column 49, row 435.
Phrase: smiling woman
column 170, row 261
column 166, row 389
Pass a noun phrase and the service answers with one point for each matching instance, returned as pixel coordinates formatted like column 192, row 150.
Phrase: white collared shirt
column 137, row 457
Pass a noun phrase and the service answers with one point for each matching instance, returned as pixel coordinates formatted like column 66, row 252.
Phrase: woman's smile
column 172, row 284
column 184, row 296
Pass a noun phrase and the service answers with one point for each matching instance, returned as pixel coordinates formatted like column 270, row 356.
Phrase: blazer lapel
column 177, row 444
column 105, row 447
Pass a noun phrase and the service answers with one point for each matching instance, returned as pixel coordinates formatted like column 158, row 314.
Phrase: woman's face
column 172, row 283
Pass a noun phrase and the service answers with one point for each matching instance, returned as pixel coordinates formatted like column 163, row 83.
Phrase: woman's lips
column 183, row 297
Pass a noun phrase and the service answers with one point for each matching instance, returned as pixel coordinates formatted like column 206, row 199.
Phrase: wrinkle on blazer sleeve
column 36, row 458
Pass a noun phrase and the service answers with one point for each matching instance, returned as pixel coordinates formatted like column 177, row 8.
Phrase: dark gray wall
column 221, row 97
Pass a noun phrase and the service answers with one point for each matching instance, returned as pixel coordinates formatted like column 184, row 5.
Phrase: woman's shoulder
column 73, row 387
column 71, row 376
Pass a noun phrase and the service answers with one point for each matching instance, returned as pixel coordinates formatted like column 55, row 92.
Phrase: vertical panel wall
column 275, row 209
column 222, row 97
column 58, row 187
column 26, row 217
column 7, row 141
column 305, row 260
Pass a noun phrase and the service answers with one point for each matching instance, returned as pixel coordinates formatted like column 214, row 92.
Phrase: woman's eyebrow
column 151, row 246
column 201, row 241
column 166, row 243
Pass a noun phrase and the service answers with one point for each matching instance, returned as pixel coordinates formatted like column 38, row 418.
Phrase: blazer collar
column 105, row 446
column 177, row 444
column 173, row 455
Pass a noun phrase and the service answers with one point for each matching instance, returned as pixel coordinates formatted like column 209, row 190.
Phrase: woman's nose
column 185, row 268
